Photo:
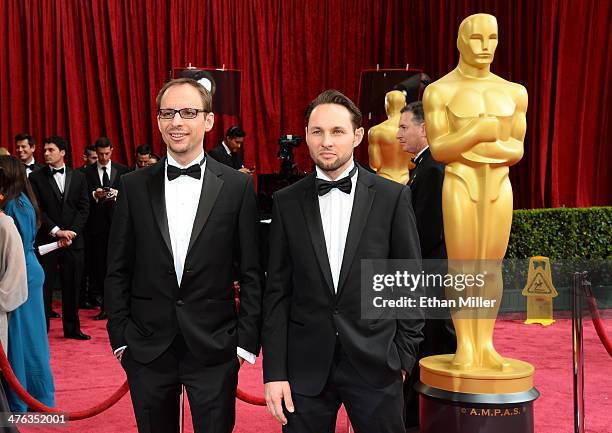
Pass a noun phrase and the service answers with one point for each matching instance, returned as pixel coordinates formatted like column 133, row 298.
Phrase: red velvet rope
column 599, row 326
column 249, row 398
column 36, row 405
column 39, row 407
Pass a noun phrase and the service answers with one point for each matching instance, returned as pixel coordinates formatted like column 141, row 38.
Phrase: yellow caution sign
column 540, row 292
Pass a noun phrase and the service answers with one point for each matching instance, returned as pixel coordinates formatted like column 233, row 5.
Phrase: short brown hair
column 333, row 96
column 204, row 94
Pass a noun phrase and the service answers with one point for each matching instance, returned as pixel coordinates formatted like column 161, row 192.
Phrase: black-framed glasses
column 185, row 113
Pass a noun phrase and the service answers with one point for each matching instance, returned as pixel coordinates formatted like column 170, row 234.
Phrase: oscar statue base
column 475, row 401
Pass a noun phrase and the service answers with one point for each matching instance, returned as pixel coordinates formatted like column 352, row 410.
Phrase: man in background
column 143, row 154
column 425, row 182
column 89, row 157
column 103, row 180
column 62, row 197
column 228, row 152
column 25, row 145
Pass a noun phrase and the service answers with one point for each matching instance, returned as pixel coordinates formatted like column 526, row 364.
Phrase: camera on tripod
column 287, row 144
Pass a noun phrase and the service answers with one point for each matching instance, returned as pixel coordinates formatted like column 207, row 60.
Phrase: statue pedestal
column 475, row 401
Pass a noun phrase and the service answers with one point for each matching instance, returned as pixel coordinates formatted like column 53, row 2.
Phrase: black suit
column 98, row 225
column 426, row 185
column 68, row 211
column 233, row 160
column 313, row 336
column 161, row 322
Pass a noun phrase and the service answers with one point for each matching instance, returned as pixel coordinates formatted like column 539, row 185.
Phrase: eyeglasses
column 185, row 113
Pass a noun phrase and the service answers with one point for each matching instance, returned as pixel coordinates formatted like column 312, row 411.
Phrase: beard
column 328, row 166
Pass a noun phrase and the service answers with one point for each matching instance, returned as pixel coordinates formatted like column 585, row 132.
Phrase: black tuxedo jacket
column 234, row 160
column 303, row 317
column 426, row 185
column 145, row 305
column 101, row 212
column 67, row 211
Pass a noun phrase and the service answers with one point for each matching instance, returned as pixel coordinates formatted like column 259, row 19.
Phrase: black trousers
column 370, row 410
column 99, row 253
column 69, row 263
column 155, row 389
column 439, row 339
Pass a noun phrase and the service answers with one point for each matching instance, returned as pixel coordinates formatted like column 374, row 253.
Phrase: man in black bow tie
column 425, row 182
column 318, row 351
column 178, row 228
column 25, row 145
column 62, row 197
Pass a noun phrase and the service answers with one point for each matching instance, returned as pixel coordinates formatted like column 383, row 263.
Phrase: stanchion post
column 182, row 410
column 578, row 351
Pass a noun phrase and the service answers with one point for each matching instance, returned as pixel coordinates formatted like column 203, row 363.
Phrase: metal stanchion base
column 455, row 412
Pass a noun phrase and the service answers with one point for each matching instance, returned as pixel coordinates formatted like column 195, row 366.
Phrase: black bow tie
column 194, row 171
column 345, row 184
column 54, row 171
column 30, row 166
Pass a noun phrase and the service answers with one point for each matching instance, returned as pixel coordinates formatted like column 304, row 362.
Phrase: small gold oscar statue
column 386, row 155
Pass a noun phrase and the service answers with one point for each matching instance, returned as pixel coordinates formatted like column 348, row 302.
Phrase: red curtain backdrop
column 83, row 68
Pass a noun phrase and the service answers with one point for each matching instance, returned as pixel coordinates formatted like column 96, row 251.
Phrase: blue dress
column 28, row 344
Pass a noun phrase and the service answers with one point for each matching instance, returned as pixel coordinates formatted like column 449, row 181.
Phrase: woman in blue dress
column 28, row 350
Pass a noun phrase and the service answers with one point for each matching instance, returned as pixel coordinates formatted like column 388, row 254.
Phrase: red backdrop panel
column 87, row 68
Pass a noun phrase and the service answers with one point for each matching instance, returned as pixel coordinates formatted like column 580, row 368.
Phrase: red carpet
column 87, row 373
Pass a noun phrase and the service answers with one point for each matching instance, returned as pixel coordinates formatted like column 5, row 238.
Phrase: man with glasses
column 169, row 294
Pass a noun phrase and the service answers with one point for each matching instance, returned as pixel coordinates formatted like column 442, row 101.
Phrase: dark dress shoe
column 87, row 306
column 78, row 336
column 101, row 316
column 54, row 315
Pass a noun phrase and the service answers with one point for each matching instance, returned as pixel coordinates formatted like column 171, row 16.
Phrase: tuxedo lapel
column 156, row 186
column 422, row 159
column 312, row 214
column 113, row 175
column 364, row 196
column 211, row 186
column 67, row 183
column 96, row 176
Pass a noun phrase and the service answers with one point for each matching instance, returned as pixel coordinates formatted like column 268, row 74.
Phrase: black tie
column 30, row 166
column 345, row 184
column 54, row 171
column 194, row 171
column 105, row 178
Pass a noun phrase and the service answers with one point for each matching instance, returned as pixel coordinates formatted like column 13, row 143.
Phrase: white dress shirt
column 30, row 162
column 60, row 180
column 336, row 208
column 101, row 172
column 182, row 197
column 227, row 149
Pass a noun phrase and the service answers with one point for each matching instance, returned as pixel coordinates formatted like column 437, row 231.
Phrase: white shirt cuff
column 247, row 356
column 54, row 230
column 119, row 349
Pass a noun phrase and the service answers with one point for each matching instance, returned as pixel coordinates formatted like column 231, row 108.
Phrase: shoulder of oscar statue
column 379, row 182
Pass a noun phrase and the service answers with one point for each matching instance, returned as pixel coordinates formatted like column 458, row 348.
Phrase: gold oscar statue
column 475, row 123
column 386, row 156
